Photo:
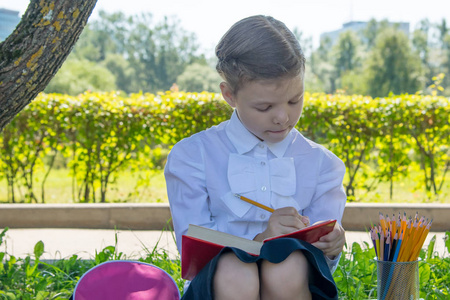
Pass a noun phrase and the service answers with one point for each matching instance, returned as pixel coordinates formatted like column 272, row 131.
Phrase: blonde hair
column 258, row 47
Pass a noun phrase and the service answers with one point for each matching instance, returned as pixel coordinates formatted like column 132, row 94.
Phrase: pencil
column 387, row 247
column 397, row 249
column 373, row 237
column 394, row 225
column 403, row 223
column 409, row 243
column 377, row 235
column 422, row 238
column 382, row 222
column 406, row 240
column 393, row 247
column 269, row 209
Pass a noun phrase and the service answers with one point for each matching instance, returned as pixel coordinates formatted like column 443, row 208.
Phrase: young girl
column 259, row 154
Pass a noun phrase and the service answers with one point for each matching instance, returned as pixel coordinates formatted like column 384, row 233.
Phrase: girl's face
column 268, row 108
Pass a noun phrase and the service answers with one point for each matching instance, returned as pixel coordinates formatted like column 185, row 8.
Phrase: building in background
column 8, row 22
column 358, row 27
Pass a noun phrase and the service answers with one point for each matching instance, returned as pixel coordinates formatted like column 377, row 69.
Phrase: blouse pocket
column 306, row 190
column 279, row 201
column 235, row 205
column 300, row 200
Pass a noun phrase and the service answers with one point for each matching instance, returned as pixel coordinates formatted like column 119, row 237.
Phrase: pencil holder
column 398, row 280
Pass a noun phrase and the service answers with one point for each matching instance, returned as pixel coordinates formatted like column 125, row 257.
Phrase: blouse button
column 263, row 163
column 262, row 216
column 263, row 188
column 261, row 145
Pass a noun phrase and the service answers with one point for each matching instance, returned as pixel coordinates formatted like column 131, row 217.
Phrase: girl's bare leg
column 286, row 280
column 235, row 279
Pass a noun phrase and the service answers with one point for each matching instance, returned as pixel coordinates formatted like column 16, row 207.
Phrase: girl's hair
column 258, row 47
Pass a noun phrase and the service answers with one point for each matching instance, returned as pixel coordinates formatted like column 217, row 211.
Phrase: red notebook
column 201, row 244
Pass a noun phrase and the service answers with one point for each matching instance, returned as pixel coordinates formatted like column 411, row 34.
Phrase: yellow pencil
column 383, row 223
column 406, row 237
column 410, row 243
column 269, row 209
column 419, row 245
column 377, row 235
column 394, row 225
column 403, row 224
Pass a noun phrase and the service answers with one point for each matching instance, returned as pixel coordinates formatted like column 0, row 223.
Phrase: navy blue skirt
column 321, row 283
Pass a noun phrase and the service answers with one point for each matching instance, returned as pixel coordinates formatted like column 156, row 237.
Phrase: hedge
column 102, row 134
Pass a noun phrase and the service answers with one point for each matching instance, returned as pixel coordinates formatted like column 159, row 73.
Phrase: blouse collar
column 244, row 141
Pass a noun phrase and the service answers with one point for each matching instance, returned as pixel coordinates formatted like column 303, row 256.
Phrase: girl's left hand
column 332, row 243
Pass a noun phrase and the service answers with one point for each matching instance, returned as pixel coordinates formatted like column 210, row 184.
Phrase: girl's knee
column 235, row 279
column 286, row 280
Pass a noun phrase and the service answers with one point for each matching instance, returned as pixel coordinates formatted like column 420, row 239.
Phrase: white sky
column 209, row 19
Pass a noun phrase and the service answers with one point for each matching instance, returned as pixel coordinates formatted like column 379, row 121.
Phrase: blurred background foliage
column 132, row 54
column 136, row 53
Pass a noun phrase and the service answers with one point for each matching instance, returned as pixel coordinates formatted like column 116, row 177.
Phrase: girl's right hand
column 282, row 221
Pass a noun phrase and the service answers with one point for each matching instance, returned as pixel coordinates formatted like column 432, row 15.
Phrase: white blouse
column 204, row 171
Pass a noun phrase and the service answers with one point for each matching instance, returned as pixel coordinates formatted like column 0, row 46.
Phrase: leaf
column 424, row 273
column 38, row 250
column 3, row 234
column 8, row 295
column 430, row 248
column 42, row 295
column 29, row 271
column 440, row 295
column 447, row 240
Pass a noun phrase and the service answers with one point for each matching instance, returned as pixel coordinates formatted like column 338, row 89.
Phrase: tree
column 77, row 76
column 346, row 55
column 442, row 31
column 371, row 32
column 421, row 45
column 346, row 52
column 33, row 53
column 158, row 55
column 198, row 78
column 321, row 68
column 392, row 65
column 122, row 71
column 143, row 55
column 444, row 42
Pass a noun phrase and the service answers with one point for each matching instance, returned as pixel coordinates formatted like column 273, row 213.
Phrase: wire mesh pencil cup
column 398, row 280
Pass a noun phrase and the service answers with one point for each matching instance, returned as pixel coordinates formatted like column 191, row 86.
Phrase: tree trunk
column 34, row 52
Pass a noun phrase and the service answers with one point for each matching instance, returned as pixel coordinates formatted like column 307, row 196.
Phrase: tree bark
column 34, row 52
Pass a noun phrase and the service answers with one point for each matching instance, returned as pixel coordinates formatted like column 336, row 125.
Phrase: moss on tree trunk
column 34, row 52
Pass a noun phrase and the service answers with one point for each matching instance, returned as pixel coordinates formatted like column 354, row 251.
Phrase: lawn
column 150, row 187
column 356, row 276
column 129, row 187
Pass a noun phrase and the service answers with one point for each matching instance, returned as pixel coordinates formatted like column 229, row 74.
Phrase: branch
column 34, row 52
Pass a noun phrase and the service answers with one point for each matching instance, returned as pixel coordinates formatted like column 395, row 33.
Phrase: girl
column 259, row 154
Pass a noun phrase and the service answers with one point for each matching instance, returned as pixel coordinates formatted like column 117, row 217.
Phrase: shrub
column 103, row 134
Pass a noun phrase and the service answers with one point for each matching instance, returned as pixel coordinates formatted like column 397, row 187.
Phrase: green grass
column 130, row 187
column 30, row 278
column 355, row 277
column 150, row 187
column 403, row 192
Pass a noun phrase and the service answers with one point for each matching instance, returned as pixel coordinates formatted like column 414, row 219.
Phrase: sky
column 210, row 19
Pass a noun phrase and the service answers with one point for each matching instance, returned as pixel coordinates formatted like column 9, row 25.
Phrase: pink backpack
column 126, row 280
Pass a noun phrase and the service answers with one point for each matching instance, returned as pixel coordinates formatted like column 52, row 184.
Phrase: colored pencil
column 383, row 223
column 399, row 238
column 387, row 247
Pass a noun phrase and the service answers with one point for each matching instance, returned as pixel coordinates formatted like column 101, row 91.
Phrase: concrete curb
column 151, row 216
column 156, row 216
